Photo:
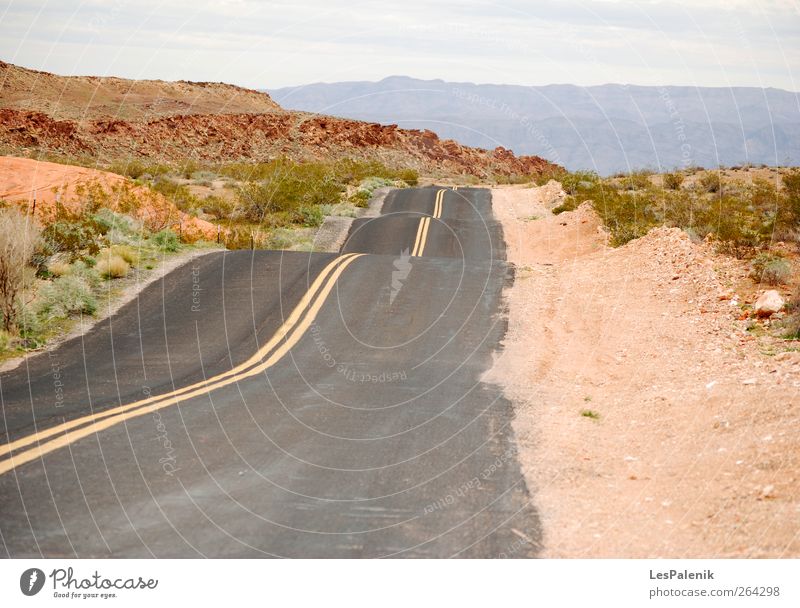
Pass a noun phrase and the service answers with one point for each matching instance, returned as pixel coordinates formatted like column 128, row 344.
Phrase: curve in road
column 283, row 404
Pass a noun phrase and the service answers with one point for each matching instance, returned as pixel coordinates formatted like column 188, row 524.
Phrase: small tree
column 18, row 239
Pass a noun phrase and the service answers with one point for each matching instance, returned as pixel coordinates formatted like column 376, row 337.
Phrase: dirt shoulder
column 650, row 423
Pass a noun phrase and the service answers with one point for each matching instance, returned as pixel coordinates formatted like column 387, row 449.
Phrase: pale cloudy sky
column 272, row 44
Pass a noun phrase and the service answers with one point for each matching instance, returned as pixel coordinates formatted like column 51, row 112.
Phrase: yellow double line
column 424, row 224
column 288, row 334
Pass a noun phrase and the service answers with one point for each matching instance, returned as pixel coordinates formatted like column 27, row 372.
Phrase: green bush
column 65, row 296
column 107, row 221
column 637, row 180
column 136, row 169
column 310, row 216
column 218, row 206
column 576, row 181
column 29, row 325
column 6, row 340
column 361, row 198
column 74, row 238
column 178, row 194
column 166, row 240
column 85, row 269
column 770, row 269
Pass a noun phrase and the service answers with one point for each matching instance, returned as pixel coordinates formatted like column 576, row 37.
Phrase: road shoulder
column 650, row 423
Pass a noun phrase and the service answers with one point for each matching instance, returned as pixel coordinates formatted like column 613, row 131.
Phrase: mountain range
column 608, row 128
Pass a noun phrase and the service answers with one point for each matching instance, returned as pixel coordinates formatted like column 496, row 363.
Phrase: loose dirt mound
column 650, row 423
column 65, row 189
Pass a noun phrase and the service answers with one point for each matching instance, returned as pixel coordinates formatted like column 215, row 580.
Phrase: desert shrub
column 711, row 182
column 219, row 207
column 166, row 240
column 29, row 325
column 637, row 180
column 74, row 238
column 555, row 172
column 6, row 340
column 409, row 176
column 570, row 204
column 19, row 236
column 770, row 269
column 107, row 220
column 278, row 240
column 66, row 296
column 579, row 180
column 360, row 198
column 673, row 181
column 136, row 169
column 309, row 216
column 127, row 253
column 178, row 194
column 58, row 269
column 86, row 270
column 112, row 266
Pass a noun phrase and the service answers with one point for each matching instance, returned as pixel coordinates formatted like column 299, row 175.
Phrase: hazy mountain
column 608, row 128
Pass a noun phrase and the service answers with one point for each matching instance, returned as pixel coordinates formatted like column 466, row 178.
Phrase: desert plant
column 74, row 237
column 127, row 253
column 166, row 240
column 218, row 206
column 711, row 182
column 310, row 216
column 65, row 296
column 578, row 180
column 18, row 240
column 112, row 266
column 6, row 340
column 770, row 269
column 673, row 181
column 637, row 180
column 58, row 269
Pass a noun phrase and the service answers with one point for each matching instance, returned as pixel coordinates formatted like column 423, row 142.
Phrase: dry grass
column 112, row 266
column 58, row 269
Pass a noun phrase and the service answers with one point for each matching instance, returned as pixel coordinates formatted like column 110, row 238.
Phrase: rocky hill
column 82, row 98
column 114, row 119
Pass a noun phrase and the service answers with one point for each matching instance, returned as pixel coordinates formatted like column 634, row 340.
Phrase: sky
column 263, row 44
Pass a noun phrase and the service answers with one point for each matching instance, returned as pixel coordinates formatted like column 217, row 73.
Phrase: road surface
column 286, row 404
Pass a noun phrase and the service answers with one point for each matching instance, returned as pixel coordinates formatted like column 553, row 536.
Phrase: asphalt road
column 262, row 403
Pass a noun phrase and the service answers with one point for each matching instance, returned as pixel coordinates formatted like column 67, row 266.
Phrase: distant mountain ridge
column 608, row 128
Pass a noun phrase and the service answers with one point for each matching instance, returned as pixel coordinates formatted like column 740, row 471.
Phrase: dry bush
column 127, row 253
column 711, row 182
column 112, row 266
column 673, row 181
column 58, row 269
column 19, row 237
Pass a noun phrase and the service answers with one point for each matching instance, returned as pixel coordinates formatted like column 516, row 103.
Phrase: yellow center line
column 437, row 208
column 118, row 414
column 419, row 235
column 424, row 224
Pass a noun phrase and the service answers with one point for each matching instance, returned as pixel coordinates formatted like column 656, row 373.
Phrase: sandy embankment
column 696, row 451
